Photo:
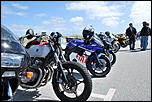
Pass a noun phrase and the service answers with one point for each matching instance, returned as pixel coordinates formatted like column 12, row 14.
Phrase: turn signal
column 29, row 74
column 52, row 43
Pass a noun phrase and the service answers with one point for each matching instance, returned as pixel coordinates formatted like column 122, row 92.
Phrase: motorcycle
column 107, row 45
column 70, row 80
column 92, row 56
column 115, row 44
column 123, row 41
column 14, row 60
column 113, row 41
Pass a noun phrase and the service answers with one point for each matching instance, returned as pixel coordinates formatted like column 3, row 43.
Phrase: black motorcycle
column 71, row 81
column 14, row 60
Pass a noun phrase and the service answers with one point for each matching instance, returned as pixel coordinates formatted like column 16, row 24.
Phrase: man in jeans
column 145, row 32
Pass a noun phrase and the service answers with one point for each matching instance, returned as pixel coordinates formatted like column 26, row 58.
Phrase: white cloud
column 54, row 20
column 19, row 6
column 95, row 9
column 56, row 24
column 76, row 19
column 122, row 21
column 6, row 10
column 41, row 14
column 4, row 16
column 141, row 11
column 111, row 21
column 108, row 13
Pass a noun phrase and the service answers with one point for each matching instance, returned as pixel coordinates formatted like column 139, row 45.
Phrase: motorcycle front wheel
column 112, row 57
column 99, row 70
column 116, row 47
column 79, row 86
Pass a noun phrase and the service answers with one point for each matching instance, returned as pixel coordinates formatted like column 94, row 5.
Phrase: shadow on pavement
column 139, row 50
column 97, row 77
column 25, row 95
column 136, row 50
column 123, row 50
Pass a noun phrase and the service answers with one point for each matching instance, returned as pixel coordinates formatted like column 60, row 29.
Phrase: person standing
column 145, row 32
column 131, row 34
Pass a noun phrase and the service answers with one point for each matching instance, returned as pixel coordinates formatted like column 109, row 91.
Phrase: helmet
column 101, row 35
column 55, row 36
column 107, row 33
column 89, row 28
column 88, row 31
column 29, row 33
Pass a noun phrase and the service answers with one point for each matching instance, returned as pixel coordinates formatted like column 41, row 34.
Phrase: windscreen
column 6, row 34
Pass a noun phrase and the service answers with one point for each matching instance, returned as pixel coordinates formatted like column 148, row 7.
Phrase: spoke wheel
column 79, row 84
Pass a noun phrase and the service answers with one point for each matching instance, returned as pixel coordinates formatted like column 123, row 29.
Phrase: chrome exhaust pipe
column 36, row 84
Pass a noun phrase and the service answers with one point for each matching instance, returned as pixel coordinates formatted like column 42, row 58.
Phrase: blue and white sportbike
column 94, row 56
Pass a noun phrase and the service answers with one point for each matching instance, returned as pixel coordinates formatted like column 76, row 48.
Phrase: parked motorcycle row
column 67, row 63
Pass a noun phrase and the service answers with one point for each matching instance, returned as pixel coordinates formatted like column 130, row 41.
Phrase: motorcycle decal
column 82, row 58
column 44, row 43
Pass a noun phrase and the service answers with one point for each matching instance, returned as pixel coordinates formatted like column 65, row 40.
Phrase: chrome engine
column 41, row 75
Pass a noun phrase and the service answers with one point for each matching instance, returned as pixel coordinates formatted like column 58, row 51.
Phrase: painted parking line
column 107, row 97
column 110, row 94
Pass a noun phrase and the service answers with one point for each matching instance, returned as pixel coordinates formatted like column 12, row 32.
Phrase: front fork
column 59, row 65
column 97, row 56
column 7, row 93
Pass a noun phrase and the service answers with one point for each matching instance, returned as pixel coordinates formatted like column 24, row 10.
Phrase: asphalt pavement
column 128, row 80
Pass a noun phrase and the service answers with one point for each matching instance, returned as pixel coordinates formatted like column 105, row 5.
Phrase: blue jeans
column 144, row 42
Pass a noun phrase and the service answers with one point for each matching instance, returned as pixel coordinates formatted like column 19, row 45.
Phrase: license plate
column 8, row 74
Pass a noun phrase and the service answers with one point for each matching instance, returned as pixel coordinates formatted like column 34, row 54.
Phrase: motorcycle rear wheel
column 75, row 79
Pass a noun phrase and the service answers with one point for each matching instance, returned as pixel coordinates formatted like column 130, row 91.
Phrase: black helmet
column 101, row 35
column 29, row 33
column 55, row 36
column 88, row 31
column 107, row 33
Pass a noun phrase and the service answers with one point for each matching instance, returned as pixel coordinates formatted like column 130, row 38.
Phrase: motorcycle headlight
column 11, row 60
column 63, row 43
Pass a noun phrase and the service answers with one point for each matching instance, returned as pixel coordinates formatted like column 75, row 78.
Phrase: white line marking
column 97, row 95
column 109, row 95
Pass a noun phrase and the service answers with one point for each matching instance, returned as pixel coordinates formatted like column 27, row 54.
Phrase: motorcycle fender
column 101, row 54
column 116, row 42
column 91, row 56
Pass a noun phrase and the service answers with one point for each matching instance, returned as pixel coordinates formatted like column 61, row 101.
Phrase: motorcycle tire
column 61, row 94
column 125, row 45
column 116, row 47
column 113, row 57
column 94, row 72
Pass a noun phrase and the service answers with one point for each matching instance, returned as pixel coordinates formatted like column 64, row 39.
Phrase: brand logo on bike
column 82, row 58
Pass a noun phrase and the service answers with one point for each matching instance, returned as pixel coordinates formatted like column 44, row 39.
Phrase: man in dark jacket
column 131, row 33
column 145, row 32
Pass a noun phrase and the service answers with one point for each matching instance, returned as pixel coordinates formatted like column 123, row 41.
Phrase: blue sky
column 70, row 17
